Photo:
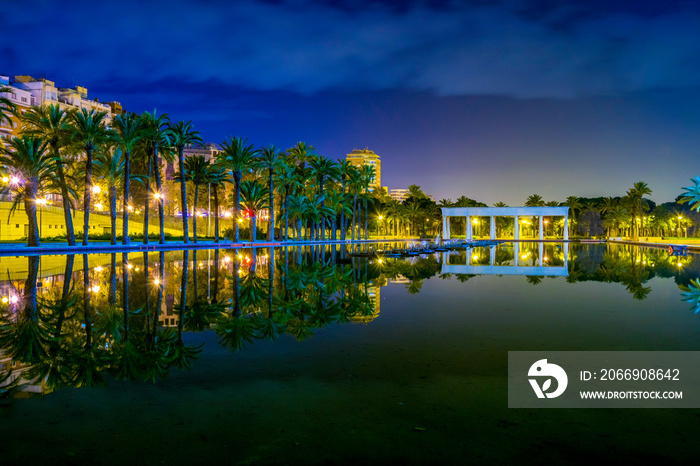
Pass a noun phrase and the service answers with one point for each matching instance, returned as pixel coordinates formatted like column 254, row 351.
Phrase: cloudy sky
column 490, row 99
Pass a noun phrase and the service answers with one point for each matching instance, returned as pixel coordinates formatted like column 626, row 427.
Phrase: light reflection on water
column 293, row 319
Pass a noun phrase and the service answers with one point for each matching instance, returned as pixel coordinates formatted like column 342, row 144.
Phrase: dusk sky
column 495, row 100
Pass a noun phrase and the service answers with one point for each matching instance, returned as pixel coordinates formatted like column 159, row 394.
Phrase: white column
column 516, row 231
column 540, row 251
column 541, row 227
column 493, row 227
column 516, row 252
column 493, row 256
column 469, row 227
column 566, row 227
column 444, row 225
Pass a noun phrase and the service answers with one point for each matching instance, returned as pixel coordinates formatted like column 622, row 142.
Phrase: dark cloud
column 524, row 49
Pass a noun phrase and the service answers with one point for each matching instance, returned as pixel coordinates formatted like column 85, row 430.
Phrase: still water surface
column 316, row 355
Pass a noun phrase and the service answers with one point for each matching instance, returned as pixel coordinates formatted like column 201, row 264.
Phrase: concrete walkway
column 691, row 243
column 19, row 249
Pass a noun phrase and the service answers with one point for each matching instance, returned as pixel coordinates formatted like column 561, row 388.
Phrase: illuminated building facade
column 360, row 157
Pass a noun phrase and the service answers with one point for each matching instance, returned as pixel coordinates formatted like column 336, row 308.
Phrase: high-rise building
column 398, row 194
column 360, row 157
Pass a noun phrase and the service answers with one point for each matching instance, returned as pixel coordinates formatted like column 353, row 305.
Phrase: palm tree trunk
column 148, row 201
column 194, row 215
column 354, row 211
column 216, row 218
column 159, row 187
column 333, row 236
column 342, row 215
column 113, row 213
column 31, row 188
column 183, row 195
column 237, row 203
column 125, row 212
column 253, row 228
column 86, row 195
column 66, row 201
column 286, row 214
column 271, row 229
column 366, row 220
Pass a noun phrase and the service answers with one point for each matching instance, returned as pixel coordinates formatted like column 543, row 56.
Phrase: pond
column 307, row 355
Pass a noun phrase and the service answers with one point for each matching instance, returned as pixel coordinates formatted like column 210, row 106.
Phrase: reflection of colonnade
column 493, row 212
column 515, row 269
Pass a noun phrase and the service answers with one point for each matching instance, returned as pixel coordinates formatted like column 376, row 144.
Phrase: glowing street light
column 96, row 189
column 98, row 206
column 5, row 179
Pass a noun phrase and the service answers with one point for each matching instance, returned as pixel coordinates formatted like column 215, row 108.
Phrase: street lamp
column 475, row 222
column 679, row 225
column 41, row 202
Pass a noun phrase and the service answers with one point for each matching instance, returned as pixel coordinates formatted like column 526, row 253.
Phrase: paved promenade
column 21, row 249
column 693, row 244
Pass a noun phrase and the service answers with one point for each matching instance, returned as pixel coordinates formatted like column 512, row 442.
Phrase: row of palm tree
column 630, row 215
column 59, row 144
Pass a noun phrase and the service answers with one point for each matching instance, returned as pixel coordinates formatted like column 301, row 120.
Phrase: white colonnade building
column 493, row 212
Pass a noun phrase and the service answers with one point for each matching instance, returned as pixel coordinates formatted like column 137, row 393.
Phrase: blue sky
column 494, row 100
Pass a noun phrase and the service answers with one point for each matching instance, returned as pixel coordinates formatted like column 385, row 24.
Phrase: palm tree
column 336, row 202
column 271, row 159
column 109, row 168
column 534, row 200
column 368, row 172
column 254, row 200
column 301, row 153
column 88, row 131
column 414, row 210
column 323, row 168
column 288, row 180
column 216, row 178
column 196, row 171
column 500, row 204
column 236, row 156
column 128, row 131
column 575, row 205
column 298, row 205
column 154, row 143
column 50, row 123
column 345, row 169
column 6, row 106
column 180, row 136
column 355, row 187
column 636, row 193
column 28, row 159
column 415, row 191
column 692, row 194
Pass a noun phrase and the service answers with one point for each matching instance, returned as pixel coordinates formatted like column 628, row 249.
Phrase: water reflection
column 57, row 330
